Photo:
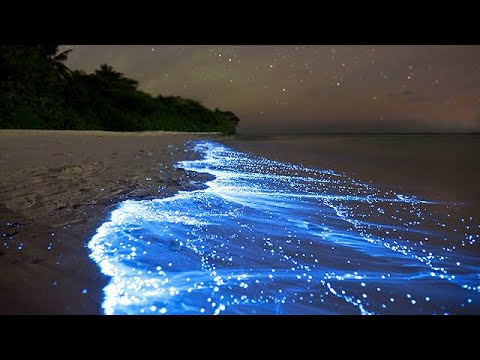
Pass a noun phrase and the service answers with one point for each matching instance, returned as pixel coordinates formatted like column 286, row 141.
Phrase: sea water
column 267, row 237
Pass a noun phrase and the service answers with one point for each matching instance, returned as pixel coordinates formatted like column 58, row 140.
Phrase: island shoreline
column 57, row 188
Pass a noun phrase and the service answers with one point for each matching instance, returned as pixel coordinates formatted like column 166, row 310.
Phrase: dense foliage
column 38, row 91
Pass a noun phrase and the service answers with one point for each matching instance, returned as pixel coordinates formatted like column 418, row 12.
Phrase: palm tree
column 50, row 53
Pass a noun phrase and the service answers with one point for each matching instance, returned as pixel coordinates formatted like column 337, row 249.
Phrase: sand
column 56, row 188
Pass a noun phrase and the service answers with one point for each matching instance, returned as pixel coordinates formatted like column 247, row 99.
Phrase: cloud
column 401, row 93
column 410, row 96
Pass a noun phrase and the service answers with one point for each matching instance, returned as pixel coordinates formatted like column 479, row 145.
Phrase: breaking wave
column 266, row 237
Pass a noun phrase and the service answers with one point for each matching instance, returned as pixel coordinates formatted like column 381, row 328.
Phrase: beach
column 56, row 188
column 327, row 224
column 271, row 237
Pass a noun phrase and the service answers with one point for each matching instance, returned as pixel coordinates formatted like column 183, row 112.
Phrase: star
column 313, row 76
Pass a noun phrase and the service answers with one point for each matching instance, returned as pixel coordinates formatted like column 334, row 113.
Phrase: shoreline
column 56, row 189
column 102, row 132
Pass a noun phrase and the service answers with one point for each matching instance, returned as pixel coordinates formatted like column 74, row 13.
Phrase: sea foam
column 266, row 237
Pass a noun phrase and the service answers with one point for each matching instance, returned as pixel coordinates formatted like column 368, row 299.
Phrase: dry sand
column 56, row 188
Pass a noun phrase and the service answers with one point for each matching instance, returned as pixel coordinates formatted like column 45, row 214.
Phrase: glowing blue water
column 272, row 238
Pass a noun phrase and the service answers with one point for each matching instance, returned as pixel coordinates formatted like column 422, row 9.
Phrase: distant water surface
column 272, row 237
column 441, row 166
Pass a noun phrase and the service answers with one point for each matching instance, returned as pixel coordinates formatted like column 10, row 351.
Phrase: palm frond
column 63, row 55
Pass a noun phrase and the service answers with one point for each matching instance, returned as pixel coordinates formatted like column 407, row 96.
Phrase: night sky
column 297, row 89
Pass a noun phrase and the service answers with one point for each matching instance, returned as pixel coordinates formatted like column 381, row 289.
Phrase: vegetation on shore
column 38, row 91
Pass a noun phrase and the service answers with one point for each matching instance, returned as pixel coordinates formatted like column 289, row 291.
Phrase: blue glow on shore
column 267, row 237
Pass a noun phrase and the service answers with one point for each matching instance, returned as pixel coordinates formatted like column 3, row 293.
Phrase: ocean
column 325, row 224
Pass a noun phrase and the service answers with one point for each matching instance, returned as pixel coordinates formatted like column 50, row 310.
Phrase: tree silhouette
column 50, row 52
column 115, row 79
column 38, row 91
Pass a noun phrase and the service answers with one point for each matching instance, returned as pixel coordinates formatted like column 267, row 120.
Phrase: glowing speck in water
column 282, row 238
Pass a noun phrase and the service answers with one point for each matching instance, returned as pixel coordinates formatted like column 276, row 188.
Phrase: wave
column 266, row 237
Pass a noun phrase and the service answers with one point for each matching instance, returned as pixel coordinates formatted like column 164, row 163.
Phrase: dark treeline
column 38, row 91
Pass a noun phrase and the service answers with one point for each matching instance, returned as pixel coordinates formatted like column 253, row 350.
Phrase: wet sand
column 56, row 188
